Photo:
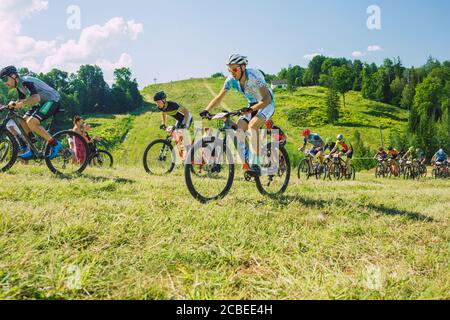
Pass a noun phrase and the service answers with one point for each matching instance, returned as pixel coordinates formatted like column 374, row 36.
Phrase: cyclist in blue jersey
column 252, row 84
column 319, row 146
column 44, row 103
column 440, row 156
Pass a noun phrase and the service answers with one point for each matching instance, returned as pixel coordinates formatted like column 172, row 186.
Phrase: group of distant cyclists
column 394, row 161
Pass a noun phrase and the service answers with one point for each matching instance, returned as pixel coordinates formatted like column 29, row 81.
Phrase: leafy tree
column 218, row 75
column 342, row 80
column 397, row 87
column 368, row 87
column 382, row 84
column 357, row 69
column 313, row 72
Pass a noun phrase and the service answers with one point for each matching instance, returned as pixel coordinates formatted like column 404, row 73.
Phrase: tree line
column 423, row 91
column 86, row 91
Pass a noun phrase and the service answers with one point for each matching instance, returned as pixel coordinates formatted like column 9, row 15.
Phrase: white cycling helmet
column 340, row 137
column 237, row 59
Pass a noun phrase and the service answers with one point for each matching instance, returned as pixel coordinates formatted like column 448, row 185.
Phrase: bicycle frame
column 12, row 115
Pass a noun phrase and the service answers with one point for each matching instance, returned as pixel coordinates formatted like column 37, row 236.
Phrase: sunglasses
column 234, row 70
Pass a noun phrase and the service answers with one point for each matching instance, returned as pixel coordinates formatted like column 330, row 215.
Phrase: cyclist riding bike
column 421, row 157
column 252, row 84
column 410, row 155
column 393, row 156
column 382, row 156
column 441, row 157
column 44, row 103
column 344, row 148
column 173, row 109
column 316, row 141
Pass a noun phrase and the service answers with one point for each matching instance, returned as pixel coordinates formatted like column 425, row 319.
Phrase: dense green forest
column 424, row 92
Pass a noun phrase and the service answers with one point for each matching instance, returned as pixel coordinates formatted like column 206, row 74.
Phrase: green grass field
column 120, row 234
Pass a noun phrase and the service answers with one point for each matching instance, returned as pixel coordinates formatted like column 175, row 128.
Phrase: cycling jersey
column 315, row 140
column 393, row 154
column 346, row 147
column 440, row 157
column 174, row 110
column 29, row 86
column 382, row 155
column 255, row 81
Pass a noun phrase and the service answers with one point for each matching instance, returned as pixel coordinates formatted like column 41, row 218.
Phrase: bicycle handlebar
column 223, row 115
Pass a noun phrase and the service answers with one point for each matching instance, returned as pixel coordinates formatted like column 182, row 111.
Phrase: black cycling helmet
column 391, row 148
column 8, row 71
column 160, row 96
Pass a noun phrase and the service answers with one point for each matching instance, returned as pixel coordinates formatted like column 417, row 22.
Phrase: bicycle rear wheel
column 102, row 159
column 275, row 171
column 73, row 156
column 159, row 158
column 8, row 150
column 209, row 170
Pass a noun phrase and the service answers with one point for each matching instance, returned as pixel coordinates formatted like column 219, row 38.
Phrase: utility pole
column 381, row 135
column 155, row 80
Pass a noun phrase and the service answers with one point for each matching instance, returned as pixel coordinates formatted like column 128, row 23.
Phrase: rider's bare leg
column 35, row 126
column 24, row 125
column 254, row 126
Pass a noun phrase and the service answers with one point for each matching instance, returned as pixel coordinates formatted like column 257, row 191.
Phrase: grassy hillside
column 303, row 108
column 119, row 234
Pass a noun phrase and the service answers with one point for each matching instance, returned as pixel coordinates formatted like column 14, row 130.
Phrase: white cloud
column 374, row 48
column 311, row 56
column 41, row 55
column 93, row 41
column 358, row 54
column 125, row 61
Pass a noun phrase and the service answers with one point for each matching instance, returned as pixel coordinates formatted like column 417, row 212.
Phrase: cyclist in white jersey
column 252, row 84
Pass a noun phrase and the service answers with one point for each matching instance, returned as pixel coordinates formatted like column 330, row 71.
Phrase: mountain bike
column 210, row 167
column 63, row 164
column 411, row 170
column 381, row 171
column 441, row 170
column 394, row 168
column 310, row 168
column 337, row 169
column 423, row 170
column 99, row 158
column 160, row 155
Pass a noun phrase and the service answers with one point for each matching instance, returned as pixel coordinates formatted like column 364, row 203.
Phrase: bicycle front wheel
column 8, row 150
column 303, row 170
column 275, row 171
column 159, row 158
column 102, row 159
column 209, row 170
column 73, row 156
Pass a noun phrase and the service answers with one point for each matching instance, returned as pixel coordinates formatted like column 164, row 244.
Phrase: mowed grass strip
column 120, row 234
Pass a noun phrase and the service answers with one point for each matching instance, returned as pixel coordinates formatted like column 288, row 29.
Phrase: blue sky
column 183, row 39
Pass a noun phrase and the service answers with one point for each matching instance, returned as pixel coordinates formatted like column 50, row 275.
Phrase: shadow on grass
column 320, row 204
column 397, row 212
column 387, row 115
column 97, row 179
column 355, row 125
